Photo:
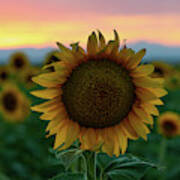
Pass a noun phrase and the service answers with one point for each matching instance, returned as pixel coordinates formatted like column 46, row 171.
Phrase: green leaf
column 3, row 176
column 103, row 159
column 126, row 168
column 68, row 157
column 69, row 176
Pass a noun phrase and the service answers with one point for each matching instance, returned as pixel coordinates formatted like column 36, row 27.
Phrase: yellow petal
column 52, row 76
column 102, row 42
column 47, row 93
column 75, row 46
column 159, row 92
column 52, row 124
column 48, row 79
column 128, row 129
column 125, row 55
column 72, row 134
column 61, row 136
column 47, row 106
column 90, row 138
column 44, row 82
column 78, row 51
column 143, row 115
column 116, row 37
column 148, row 82
column 66, row 55
column 156, row 102
column 137, row 125
column 116, row 151
column 56, row 129
column 62, row 69
column 136, row 59
column 83, row 141
column 145, row 94
column 150, row 108
column 65, row 50
column 111, row 48
column 49, row 115
column 92, row 45
column 108, row 145
column 122, row 139
column 142, row 70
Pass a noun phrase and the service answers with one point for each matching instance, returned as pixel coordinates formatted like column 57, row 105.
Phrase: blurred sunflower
column 102, row 96
column 173, row 82
column 4, row 74
column 27, row 76
column 18, row 62
column 51, row 57
column 169, row 124
column 13, row 104
column 162, row 69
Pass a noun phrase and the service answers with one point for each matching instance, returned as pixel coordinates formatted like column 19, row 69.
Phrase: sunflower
column 162, row 69
column 18, row 62
column 13, row 104
column 51, row 57
column 173, row 82
column 102, row 97
column 27, row 76
column 4, row 74
column 169, row 124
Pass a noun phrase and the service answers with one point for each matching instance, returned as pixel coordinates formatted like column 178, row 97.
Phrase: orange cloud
column 162, row 29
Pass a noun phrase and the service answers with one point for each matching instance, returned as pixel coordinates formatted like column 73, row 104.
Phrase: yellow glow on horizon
column 164, row 29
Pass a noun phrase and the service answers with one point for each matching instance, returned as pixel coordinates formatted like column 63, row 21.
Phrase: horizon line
column 48, row 46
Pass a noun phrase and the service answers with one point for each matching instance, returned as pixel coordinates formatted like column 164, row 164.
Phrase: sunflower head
column 51, row 57
column 4, row 74
column 169, row 124
column 162, row 69
column 173, row 82
column 102, row 96
column 18, row 62
column 27, row 76
column 13, row 103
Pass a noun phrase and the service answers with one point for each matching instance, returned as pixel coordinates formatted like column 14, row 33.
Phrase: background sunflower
column 27, row 75
column 13, row 104
column 4, row 74
column 169, row 124
column 18, row 62
column 162, row 69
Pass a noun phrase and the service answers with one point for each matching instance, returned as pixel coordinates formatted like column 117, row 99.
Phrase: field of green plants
column 27, row 154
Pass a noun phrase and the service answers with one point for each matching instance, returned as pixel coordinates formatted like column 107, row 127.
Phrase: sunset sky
column 40, row 23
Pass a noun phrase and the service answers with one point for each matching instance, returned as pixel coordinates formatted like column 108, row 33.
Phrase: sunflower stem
column 162, row 152
column 91, row 165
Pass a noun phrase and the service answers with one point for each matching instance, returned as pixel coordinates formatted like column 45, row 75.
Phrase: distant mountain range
column 154, row 52
column 158, row 51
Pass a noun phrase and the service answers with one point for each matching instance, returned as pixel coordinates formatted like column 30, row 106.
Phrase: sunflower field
column 95, row 113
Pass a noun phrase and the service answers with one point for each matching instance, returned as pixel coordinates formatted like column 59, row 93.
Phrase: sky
column 41, row 23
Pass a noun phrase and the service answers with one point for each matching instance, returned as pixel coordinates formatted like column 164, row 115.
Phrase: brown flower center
column 98, row 93
column 9, row 101
column 169, row 127
column 3, row 75
column 158, row 71
column 52, row 59
column 18, row 63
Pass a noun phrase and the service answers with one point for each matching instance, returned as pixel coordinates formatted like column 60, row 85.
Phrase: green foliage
column 25, row 153
column 126, row 168
column 108, row 168
column 69, row 176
